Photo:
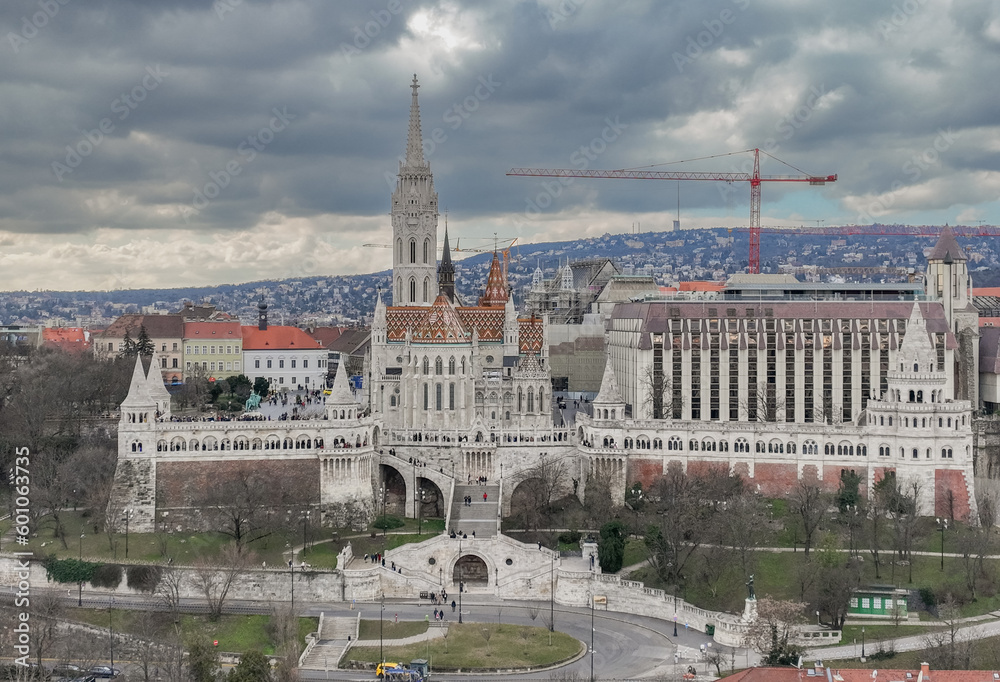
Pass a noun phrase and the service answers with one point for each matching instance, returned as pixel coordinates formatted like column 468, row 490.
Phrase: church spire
column 446, row 270
column 414, row 141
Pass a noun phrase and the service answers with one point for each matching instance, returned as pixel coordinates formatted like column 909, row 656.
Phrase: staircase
column 480, row 517
column 332, row 643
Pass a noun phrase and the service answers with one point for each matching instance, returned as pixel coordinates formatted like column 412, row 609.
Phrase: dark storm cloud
column 855, row 88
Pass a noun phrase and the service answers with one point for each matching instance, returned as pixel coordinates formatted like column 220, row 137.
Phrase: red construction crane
column 754, row 178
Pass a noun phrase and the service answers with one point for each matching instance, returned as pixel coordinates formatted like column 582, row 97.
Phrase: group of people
column 480, row 480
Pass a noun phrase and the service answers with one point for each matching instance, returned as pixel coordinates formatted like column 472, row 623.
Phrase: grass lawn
column 185, row 547
column 635, row 551
column 235, row 633
column 775, row 576
column 481, row 645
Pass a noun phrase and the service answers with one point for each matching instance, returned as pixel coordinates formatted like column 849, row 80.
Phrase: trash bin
column 710, row 630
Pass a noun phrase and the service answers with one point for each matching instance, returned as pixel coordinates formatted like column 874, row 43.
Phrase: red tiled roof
column 496, row 287
column 441, row 324
column 986, row 291
column 72, row 339
column 213, row 330
column 530, row 334
column 326, row 335
column 277, row 338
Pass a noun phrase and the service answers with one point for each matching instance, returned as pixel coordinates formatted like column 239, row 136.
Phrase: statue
column 750, row 592
column 253, row 402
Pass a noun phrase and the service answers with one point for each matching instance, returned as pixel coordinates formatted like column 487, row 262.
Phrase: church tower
column 414, row 221
column 446, row 271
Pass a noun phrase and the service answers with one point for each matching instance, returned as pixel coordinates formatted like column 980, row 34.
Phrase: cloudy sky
column 190, row 142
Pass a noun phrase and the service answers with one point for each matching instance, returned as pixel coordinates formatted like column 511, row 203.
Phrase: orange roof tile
column 277, row 338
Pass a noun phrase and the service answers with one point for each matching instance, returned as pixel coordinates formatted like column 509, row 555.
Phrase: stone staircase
column 333, row 642
column 480, row 517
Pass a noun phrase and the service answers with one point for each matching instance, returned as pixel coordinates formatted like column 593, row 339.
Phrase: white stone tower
column 414, row 222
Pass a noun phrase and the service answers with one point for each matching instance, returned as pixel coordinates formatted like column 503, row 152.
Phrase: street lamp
column 111, row 632
column 461, row 585
column 592, row 633
column 862, row 643
column 675, row 625
column 381, row 618
column 126, row 516
column 420, row 511
column 552, row 592
column 381, row 491
column 291, row 569
column 817, row 619
column 305, row 530
column 942, row 526
column 79, row 584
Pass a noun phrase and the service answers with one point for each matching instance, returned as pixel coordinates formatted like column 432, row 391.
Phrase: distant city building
column 165, row 331
column 213, row 350
column 286, row 356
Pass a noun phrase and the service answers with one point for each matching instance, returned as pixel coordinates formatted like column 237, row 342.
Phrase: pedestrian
column 453, row 606
column 435, row 614
column 473, row 535
column 484, row 497
column 397, row 617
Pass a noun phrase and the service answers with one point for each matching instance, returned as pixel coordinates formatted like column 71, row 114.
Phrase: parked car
column 67, row 670
column 104, row 671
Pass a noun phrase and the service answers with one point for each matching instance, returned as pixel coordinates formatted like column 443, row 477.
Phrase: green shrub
column 69, row 570
column 928, row 597
column 388, row 522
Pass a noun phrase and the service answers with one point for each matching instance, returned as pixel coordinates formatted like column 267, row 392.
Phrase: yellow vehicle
column 382, row 668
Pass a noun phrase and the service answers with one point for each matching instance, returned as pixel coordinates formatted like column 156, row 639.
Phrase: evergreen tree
column 261, row 386
column 128, row 346
column 144, row 345
column 611, row 546
column 203, row 661
column 253, row 667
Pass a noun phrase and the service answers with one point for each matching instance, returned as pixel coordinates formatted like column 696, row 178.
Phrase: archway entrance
column 472, row 571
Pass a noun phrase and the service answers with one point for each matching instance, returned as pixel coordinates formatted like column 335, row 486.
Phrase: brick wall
column 951, row 495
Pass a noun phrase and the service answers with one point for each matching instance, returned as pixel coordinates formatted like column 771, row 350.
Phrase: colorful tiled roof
column 277, row 338
column 531, row 334
column 496, row 287
column 72, row 339
column 441, row 324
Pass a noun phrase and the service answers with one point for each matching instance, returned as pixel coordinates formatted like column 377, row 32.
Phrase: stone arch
column 395, row 491
column 471, row 569
column 432, row 503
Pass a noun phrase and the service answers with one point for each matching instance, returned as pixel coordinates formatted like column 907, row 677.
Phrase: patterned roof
column 441, row 324
column 496, row 287
column 531, row 333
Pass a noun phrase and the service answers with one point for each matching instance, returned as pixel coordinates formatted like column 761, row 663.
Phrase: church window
column 399, row 250
column 413, row 250
column 438, row 367
column 915, row 454
column 463, row 365
column 438, row 398
column 427, row 248
column 392, row 401
column 916, row 367
column 520, row 401
column 426, row 366
column 451, row 365
column 531, row 401
column 426, row 397
column 920, row 396
column 451, row 398
column 413, row 290
column 426, row 289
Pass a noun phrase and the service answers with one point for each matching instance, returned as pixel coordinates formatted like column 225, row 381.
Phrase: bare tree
column 770, row 633
column 214, row 579
column 46, row 612
column 284, row 631
column 486, row 630
column 947, row 649
column 742, row 526
column 169, row 588
column 537, row 487
column 244, row 504
column 809, row 503
column 764, row 404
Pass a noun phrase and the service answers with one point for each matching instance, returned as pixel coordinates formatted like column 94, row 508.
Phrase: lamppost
column 381, row 618
column 126, row 516
column 420, row 512
column 592, row 630
column 552, row 592
column 79, row 584
column 675, row 625
column 305, row 530
column 817, row 619
column 942, row 526
column 461, row 585
column 291, row 570
column 862, row 643
column 381, row 491
column 111, row 632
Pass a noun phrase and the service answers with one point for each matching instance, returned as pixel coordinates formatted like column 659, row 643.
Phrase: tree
column 46, row 612
column 742, row 525
column 611, row 546
column 144, row 345
column 128, row 346
column 945, row 650
column 215, row 579
column 261, row 386
column 284, row 630
column 836, row 582
column 246, row 505
column 253, row 667
column 770, row 632
column 203, row 660
column 763, row 404
column 169, row 589
column 536, row 488
column 848, row 494
column 809, row 503
column 598, row 503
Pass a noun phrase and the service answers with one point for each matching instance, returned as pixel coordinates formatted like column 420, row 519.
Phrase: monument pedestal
column 750, row 610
